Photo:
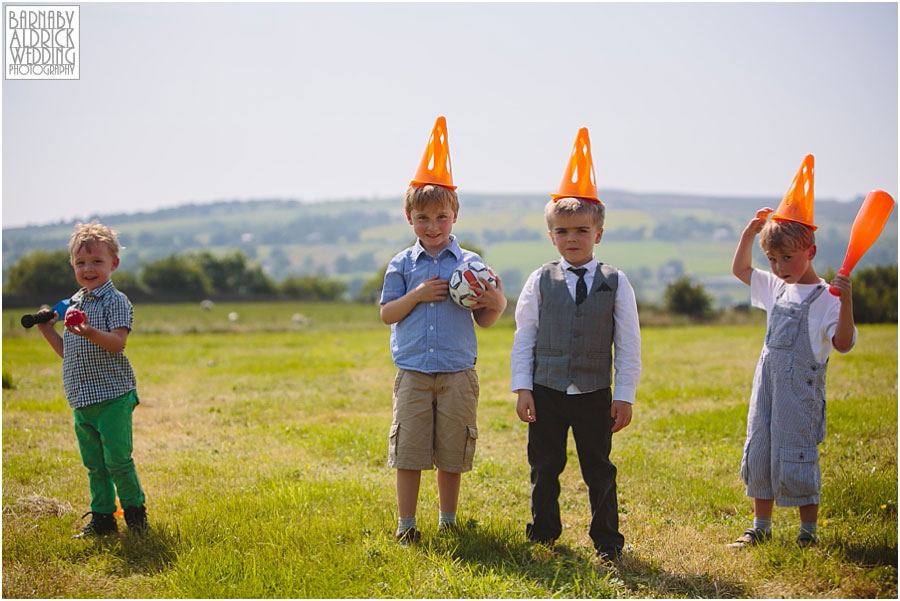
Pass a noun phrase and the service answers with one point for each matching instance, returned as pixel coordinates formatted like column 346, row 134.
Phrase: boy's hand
column 621, row 412
column 843, row 284
column 82, row 328
column 490, row 297
column 756, row 224
column 433, row 289
column 525, row 406
column 47, row 325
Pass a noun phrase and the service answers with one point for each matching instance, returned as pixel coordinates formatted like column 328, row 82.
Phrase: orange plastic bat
column 867, row 226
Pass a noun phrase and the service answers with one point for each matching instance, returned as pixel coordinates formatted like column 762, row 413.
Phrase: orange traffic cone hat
column 797, row 204
column 579, row 180
column 435, row 165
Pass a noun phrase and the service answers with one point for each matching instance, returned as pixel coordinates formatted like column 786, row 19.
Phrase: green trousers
column 104, row 439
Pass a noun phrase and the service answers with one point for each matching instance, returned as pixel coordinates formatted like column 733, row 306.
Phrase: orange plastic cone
column 797, row 204
column 435, row 165
column 579, row 180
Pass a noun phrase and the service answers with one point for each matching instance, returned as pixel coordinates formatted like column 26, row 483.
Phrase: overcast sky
column 200, row 102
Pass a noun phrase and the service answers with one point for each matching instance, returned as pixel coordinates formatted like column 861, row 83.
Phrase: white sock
column 446, row 518
column 404, row 524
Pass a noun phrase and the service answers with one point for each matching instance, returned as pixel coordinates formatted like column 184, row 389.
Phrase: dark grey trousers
column 588, row 416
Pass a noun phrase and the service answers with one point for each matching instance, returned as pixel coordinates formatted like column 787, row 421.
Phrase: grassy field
column 261, row 443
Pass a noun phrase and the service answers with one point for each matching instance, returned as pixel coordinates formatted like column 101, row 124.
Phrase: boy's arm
column 432, row 289
column 627, row 356
column 490, row 303
column 843, row 333
column 522, row 355
column 742, row 264
column 52, row 336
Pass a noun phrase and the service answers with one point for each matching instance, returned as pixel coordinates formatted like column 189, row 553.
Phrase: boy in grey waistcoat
column 786, row 418
column 570, row 314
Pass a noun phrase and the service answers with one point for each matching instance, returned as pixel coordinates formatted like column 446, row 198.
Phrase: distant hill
column 654, row 238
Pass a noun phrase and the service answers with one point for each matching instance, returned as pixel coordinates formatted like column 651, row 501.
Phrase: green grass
column 261, row 444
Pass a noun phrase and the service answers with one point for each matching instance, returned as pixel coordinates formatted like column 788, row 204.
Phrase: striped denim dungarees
column 786, row 421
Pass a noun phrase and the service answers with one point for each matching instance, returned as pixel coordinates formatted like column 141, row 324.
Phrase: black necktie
column 581, row 286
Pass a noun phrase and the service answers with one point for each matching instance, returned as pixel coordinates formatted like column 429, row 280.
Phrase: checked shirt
column 92, row 374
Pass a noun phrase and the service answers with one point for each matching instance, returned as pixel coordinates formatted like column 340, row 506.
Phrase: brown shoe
column 750, row 538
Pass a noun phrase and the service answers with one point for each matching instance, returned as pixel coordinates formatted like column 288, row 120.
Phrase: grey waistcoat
column 574, row 343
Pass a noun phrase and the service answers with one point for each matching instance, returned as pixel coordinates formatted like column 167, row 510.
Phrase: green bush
column 177, row 275
column 312, row 288
column 685, row 298
column 874, row 293
column 42, row 273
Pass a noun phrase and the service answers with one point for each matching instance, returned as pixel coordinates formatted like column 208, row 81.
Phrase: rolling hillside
column 653, row 238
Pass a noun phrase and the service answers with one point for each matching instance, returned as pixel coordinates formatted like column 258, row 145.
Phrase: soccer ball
column 466, row 277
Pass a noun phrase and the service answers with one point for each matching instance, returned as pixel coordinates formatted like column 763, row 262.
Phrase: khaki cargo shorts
column 434, row 421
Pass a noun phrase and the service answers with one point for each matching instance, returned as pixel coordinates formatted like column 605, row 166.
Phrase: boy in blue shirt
column 99, row 381
column 433, row 345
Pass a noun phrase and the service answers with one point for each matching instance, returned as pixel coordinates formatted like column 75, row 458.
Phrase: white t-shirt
column 823, row 312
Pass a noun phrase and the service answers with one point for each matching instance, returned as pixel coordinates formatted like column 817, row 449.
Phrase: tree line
column 186, row 276
column 196, row 275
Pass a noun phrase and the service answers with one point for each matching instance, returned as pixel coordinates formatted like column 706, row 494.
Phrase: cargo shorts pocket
column 471, row 439
column 392, row 444
column 800, row 475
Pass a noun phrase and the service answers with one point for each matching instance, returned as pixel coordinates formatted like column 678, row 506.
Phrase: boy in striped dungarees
column 786, row 420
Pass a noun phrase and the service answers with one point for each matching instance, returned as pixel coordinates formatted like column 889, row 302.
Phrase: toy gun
column 29, row 319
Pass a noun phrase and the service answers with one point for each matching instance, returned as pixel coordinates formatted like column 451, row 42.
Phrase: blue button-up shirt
column 92, row 374
column 435, row 337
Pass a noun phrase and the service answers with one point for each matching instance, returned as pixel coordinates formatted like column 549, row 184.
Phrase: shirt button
column 430, row 304
column 430, row 327
column 431, row 350
column 435, row 261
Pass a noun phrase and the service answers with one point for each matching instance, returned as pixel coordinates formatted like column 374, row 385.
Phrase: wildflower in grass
column 884, row 506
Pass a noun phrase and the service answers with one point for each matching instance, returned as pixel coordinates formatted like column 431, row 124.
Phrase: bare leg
column 762, row 508
column 809, row 513
column 448, row 490
column 408, row 492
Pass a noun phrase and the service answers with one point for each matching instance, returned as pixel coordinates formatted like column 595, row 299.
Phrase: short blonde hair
column 93, row 233
column 419, row 198
column 571, row 205
column 785, row 235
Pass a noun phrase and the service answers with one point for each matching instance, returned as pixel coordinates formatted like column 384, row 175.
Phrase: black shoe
column 100, row 524
column 408, row 537
column 136, row 518
column 609, row 553
column 529, row 534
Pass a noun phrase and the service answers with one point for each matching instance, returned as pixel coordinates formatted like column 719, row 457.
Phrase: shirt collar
column 590, row 265
column 453, row 248
column 100, row 290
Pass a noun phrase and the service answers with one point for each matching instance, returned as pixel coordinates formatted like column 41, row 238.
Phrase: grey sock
column 764, row 524
column 809, row 527
column 446, row 518
column 404, row 524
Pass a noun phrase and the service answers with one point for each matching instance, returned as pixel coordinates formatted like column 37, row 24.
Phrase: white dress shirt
column 626, row 339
